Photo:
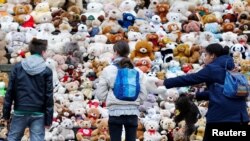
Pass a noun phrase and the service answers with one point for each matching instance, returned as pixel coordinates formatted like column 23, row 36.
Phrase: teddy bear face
column 192, row 26
column 42, row 7
column 173, row 17
column 172, row 95
column 94, row 7
column 229, row 17
column 151, row 98
column 127, row 5
column 82, row 28
column 67, row 123
column 18, row 36
column 71, row 47
column 114, row 14
column 162, row 8
column 72, row 86
column 85, row 124
column 167, row 124
column 21, row 9
column 144, row 64
column 182, row 47
column 143, row 47
column 93, row 113
column 226, row 27
column 156, row 19
column 151, row 125
column 242, row 39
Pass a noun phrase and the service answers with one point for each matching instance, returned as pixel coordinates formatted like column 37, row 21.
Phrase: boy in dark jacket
column 31, row 90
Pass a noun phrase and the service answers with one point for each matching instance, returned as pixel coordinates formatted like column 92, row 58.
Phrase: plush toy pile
column 166, row 39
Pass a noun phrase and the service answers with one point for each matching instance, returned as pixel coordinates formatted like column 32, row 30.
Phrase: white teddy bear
column 152, row 133
column 94, row 9
column 128, row 6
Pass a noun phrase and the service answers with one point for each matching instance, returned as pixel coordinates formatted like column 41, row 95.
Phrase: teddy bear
column 238, row 48
column 127, row 20
column 162, row 10
column 65, row 28
column 60, row 59
column 150, row 102
column 93, row 114
column 94, row 10
column 210, row 18
column 228, row 26
column 181, row 53
column 85, row 130
column 214, row 28
column 113, row 38
column 161, row 75
column 200, row 131
column 140, row 130
column 86, row 87
column 110, row 24
column 20, row 11
column 155, row 23
column 192, row 26
column 66, row 129
column 169, row 99
column 142, row 49
column 167, row 51
column 239, row 6
column 72, row 87
column 157, row 62
column 154, row 39
column 181, row 8
column 133, row 37
column 3, row 53
column 186, row 110
column 15, row 41
column 194, row 54
column 5, row 78
column 152, row 132
column 95, row 28
column 167, row 125
column 101, row 132
column 4, row 133
column 144, row 64
column 243, row 39
column 128, row 6
column 151, row 114
column 152, row 88
column 53, row 65
column 41, row 10
column 26, row 136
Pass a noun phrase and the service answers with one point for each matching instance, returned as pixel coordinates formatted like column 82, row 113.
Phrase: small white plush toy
column 152, row 133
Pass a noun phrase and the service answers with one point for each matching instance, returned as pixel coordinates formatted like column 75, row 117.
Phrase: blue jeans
column 20, row 122
column 130, row 123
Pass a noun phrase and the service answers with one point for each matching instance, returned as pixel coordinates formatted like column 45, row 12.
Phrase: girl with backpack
column 122, row 99
column 223, row 113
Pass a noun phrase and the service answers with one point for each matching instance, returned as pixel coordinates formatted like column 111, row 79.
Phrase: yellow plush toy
column 181, row 53
column 2, row 1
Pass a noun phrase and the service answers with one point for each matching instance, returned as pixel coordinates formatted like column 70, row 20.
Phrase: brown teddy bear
column 98, row 66
column 20, row 11
column 161, row 75
column 144, row 64
column 93, row 114
column 140, row 131
column 3, row 59
column 102, row 132
column 154, row 39
column 143, row 49
column 162, row 10
column 113, row 38
column 85, row 130
column 194, row 54
column 181, row 53
column 229, row 17
column 228, row 27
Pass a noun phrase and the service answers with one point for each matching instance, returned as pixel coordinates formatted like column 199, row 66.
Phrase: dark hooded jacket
column 30, row 88
column 221, row 108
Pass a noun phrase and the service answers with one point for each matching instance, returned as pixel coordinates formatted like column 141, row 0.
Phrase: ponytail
column 126, row 63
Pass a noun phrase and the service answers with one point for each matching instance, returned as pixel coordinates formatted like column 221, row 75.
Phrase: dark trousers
column 116, row 123
column 225, row 126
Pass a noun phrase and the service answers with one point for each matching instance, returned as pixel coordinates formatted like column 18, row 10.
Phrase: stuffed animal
column 3, row 53
column 20, row 11
column 110, row 24
column 162, row 10
column 167, row 52
column 151, row 114
column 87, row 88
column 66, row 129
column 169, row 99
column 40, row 12
column 72, row 87
column 140, row 131
column 152, row 132
column 128, row 6
column 167, row 125
column 155, row 23
column 93, row 114
column 5, row 78
column 53, row 65
column 128, row 19
column 144, row 64
column 150, row 102
column 102, row 131
column 154, row 39
column 95, row 28
column 157, row 63
column 194, row 54
column 142, row 49
column 188, row 111
column 4, row 133
column 28, row 21
column 192, row 26
column 94, row 11
column 182, row 52
column 238, row 48
column 85, row 130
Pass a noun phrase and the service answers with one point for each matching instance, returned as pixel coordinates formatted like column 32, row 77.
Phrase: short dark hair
column 122, row 48
column 217, row 49
column 37, row 46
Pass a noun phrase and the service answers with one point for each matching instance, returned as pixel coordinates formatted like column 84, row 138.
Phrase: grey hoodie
column 34, row 64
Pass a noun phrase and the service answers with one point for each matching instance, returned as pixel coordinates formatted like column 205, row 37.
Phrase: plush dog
column 188, row 111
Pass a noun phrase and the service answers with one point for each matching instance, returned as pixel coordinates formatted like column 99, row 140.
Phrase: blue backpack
column 235, row 85
column 127, row 85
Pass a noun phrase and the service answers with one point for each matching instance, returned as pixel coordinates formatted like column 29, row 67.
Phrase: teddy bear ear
column 151, row 44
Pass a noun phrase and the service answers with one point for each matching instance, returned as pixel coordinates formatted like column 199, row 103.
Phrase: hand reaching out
column 159, row 83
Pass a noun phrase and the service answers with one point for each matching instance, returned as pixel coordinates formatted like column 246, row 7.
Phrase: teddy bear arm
column 95, row 132
column 151, row 56
column 175, row 52
column 187, row 52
